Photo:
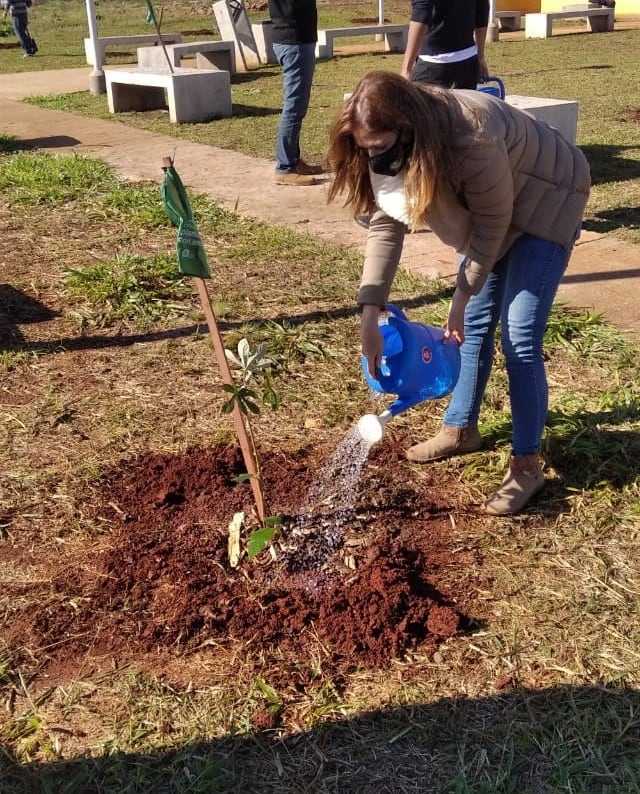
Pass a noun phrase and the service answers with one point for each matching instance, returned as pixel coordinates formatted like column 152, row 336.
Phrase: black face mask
column 392, row 160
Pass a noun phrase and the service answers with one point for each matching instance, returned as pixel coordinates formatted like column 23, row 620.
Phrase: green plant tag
column 192, row 259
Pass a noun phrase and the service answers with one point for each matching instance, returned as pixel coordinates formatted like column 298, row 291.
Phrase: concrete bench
column 538, row 26
column 559, row 113
column 508, row 20
column 209, row 55
column 112, row 41
column 395, row 37
column 192, row 95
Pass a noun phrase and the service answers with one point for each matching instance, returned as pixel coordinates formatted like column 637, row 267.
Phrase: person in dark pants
column 445, row 46
column 20, row 19
column 295, row 32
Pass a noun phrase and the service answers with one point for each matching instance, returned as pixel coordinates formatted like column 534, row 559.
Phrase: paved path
column 603, row 275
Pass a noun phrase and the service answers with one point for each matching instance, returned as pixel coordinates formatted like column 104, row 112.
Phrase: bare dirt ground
column 400, row 577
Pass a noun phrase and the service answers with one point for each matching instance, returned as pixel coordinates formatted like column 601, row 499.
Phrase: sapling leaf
column 244, row 352
column 232, row 358
column 228, row 407
column 249, row 405
column 259, row 540
column 270, row 396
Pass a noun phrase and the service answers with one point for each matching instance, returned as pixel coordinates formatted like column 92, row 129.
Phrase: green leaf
column 249, row 405
column 228, row 407
column 259, row 540
column 268, row 691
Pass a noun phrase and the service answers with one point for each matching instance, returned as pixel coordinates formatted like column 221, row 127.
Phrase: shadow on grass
column 568, row 738
column 253, row 111
column 610, row 220
column 588, row 450
column 260, row 73
column 12, row 340
column 16, row 309
column 608, row 163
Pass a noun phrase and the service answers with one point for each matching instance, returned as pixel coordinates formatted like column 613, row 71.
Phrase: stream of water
column 318, row 530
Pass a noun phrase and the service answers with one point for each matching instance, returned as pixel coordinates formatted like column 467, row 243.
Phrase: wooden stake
column 238, row 418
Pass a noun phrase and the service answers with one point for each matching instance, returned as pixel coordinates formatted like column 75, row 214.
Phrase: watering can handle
column 497, row 80
column 397, row 312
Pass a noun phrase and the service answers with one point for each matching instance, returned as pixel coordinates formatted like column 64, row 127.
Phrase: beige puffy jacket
column 518, row 176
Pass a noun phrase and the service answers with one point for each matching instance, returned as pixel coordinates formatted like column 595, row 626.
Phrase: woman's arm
column 381, row 259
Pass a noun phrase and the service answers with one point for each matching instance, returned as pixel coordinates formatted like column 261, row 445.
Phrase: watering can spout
column 402, row 403
column 371, row 427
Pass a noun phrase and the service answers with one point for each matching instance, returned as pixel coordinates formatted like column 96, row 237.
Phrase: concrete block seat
column 539, row 26
column 192, row 95
column 395, row 37
column 114, row 41
column 209, row 55
column 508, row 20
column 559, row 113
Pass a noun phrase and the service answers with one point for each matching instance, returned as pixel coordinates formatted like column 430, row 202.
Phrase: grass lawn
column 105, row 364
column 599, row 71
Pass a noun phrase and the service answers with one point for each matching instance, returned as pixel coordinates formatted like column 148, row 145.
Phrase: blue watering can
column 417, row 364
column 496, row 90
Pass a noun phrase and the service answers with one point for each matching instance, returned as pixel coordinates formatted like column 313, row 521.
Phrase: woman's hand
column 455, row 320
column 372, row 343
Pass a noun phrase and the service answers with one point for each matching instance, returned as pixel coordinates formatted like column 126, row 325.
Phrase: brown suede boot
column 521, row 483
column 449, row 441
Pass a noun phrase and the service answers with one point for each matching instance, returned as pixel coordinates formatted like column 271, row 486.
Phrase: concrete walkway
column 603, row 275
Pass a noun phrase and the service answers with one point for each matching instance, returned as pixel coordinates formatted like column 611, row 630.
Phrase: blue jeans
column 298, row 62
column 20, row 28
column 518, row 293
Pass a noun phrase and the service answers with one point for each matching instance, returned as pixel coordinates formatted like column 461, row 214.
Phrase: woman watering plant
column 507, row 192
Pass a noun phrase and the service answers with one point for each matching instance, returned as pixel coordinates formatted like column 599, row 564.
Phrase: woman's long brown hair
column 428, row 115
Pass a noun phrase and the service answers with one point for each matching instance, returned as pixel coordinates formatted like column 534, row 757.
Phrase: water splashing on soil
column 318, row 530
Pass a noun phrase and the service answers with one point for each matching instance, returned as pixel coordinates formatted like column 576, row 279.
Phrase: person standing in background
column 20, row 19
column 295, row 32
column 445, row 47
column 445, row 44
